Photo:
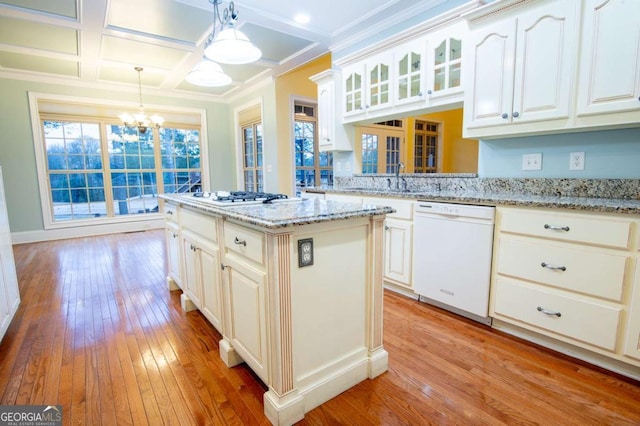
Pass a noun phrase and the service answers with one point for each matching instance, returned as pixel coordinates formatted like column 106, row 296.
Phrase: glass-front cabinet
column 353, row 77
column 410, row 71
column 378, row 82
column 445, row 61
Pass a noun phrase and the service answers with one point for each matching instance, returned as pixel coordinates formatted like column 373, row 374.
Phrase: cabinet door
column 545, row 62
column 191, row 278
column 173, row 252
column 488, row 98
column 610, row 57
column 632, row 341
column 444, row 61
column 9, row 291
column 397, row 253
column 353, row 90
column 247, row 314
column 410, row 76
column 210, row 274
column 378, row 82
column 326, row 111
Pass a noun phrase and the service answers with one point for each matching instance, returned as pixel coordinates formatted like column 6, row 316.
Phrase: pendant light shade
column 232, row 46
column 208, row 74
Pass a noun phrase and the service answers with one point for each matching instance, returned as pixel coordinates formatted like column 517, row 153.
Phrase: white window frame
column 100, row 109
column 238, row 138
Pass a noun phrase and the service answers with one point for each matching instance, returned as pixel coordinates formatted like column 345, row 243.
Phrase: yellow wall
column 458, row 155
column 289, row 86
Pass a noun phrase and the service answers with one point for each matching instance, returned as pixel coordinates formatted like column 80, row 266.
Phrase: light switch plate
column 576, row 161
column 532, row 161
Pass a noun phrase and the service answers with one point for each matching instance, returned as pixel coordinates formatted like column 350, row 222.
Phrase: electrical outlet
column 532, row 161
column 338, row 166
column 576, row 161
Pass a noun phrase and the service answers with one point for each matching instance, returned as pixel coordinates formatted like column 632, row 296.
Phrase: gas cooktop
column 238, row 198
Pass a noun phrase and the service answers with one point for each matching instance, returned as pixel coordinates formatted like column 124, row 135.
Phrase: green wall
column 17, row 156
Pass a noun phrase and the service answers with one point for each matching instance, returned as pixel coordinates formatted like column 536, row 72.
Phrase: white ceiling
column 97, row 43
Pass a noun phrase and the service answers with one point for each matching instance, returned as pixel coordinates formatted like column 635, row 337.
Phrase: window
column 95, row 169
column 313, row 168
column 426, row 147
column 381, row 147
column 252, row 157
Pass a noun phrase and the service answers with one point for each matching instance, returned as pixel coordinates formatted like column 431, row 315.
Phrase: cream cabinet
column 332, row 135
column 172, row 237
column 444, row 64
column 521, row 66
column 377, row 83
column 609, row 72
column 632, row 338
column 9, row 290
column 568, row 276
column 410, row 64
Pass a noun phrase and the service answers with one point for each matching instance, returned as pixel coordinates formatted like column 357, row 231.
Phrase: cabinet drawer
column 244, row 241
column 170, row 212
column 200, row 223
column 580, row 319
column 602, row 230
column 403, row 208
column 594, row 273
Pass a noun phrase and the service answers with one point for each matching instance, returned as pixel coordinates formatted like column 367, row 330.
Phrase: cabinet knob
column 386, row 227
column 174, row 235
column 194, row 248
column 419, row 93
column 505, row 115
column 429, row 92
column 240, row 242
column 169, row 212
column 516, row 114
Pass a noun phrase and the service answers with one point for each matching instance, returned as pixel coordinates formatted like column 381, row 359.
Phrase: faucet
column 400, row 164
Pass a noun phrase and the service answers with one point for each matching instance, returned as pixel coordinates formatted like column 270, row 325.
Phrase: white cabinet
column 410, row 72
column 377, row 82
column 632, row 340
column 353, row 90
column 244, row 257
column 444, row 64
column 331, row 133
column 9, row 291
column 192, row 283
column 173, row 241
column 565, row 276
column 397, row 251
column 609, row 72
column 521, row 66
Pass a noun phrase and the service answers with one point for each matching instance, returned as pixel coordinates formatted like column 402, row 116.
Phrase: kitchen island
column 294, row 288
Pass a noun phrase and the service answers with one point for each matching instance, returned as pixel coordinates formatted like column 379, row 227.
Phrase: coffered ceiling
column 97, row 43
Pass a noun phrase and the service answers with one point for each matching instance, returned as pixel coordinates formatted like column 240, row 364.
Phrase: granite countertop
column 607, row 205
column 283, row 214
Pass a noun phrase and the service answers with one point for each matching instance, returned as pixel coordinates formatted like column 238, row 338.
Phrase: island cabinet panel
column 173, row 240
column 247, row 313
column 566, row 279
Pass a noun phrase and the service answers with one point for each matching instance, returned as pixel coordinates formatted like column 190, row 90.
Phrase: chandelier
column 140, row 119
column 227, row 46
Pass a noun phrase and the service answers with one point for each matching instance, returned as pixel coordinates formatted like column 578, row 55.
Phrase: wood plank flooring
column 99, row 333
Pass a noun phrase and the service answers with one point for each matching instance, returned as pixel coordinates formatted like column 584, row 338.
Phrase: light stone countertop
column 283, row 214
column 591, row 204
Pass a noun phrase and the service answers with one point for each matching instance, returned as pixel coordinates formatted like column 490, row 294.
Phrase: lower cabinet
column 247, row 313
column 397, row 251
column 192, row 275
column 570, row 280
column 172, row 237
column 632, row 340
column 208, row 263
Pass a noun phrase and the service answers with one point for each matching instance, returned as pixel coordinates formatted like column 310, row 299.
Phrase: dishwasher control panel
column 457, row 210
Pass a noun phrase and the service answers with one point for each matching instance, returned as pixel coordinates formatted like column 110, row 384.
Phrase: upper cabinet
column 331, row 134
column 610, row 57
column 521, row 66
column 551, row 66
column 409, row 76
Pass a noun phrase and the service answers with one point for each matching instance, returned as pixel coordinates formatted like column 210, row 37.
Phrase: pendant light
column 230, row 45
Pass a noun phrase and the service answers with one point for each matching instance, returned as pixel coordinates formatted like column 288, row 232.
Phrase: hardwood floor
column 99, row 333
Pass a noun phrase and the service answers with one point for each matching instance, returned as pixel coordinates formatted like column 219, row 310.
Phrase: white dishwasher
column 452, row 249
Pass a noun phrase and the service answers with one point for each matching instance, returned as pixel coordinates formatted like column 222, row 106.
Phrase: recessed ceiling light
column 301, row 18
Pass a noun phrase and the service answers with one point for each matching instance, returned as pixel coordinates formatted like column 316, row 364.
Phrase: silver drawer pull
column 546, row 265
column 556, row 228
column 240, row 242
column 550, row 313
column 169, row 212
